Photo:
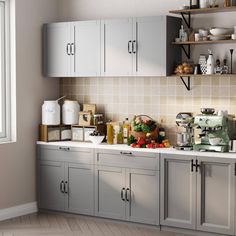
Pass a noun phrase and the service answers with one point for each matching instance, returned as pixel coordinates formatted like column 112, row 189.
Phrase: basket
column 142, row 134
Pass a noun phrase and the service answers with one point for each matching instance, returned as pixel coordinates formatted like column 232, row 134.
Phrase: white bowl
column 214, row 141
column 221, row 31
column 96, row 139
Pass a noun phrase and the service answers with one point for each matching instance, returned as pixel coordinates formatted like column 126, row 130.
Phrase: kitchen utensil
column 96, row 139
column 60, row 98
column 207, row 111
column 231, row 60
column 51, row 113
column 221, row 31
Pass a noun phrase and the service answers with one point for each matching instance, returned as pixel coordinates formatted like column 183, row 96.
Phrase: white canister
column 70, row 112
column 51, row 113
column 204, row 4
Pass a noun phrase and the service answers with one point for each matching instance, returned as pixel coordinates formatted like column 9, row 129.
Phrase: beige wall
column 161, row 98
column 17, row 160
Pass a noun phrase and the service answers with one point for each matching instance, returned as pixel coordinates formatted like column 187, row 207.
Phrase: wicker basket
column 141, row 134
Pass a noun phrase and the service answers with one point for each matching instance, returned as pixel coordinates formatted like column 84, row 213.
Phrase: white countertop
column 124, row 147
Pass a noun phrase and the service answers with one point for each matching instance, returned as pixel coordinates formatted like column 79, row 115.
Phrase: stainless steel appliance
column 185, row 139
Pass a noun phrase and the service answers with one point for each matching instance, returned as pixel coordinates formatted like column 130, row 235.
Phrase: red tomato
column 138, row 146
column 133, row 145
column 160, row 145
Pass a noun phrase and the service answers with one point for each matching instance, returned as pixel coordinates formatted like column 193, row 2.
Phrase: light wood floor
column 54, row 224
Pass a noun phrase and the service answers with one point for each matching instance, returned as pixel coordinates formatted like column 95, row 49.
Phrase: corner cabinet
column 126, row 189
column 72, row 49
column 198, row 193
column 120, row 47
column 65, row 180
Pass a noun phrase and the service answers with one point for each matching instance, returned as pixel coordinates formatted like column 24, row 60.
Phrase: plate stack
column 220, row 34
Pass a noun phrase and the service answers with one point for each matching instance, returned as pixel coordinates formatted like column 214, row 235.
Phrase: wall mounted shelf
column 204, row 42
column 188, row 77
column 204, row 10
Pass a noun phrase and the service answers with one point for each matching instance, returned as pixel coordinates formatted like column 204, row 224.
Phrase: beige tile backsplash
column 159, row 97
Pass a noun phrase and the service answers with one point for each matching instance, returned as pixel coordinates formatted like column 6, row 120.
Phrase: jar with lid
column 98, row 119
column 51, row 113
column 70, row 112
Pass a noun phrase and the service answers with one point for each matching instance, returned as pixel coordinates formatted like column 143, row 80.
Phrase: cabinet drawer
column 125, row 159
column 81, row 155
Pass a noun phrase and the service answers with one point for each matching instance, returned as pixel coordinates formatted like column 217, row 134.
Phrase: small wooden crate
column 52, row 133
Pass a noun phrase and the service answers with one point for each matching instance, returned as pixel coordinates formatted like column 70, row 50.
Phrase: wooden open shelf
column 192, row 75
column 205, row 42
column 205, row 10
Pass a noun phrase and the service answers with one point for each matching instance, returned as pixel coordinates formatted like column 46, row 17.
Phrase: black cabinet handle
column 62, row 187
column 66, row 187
column 122, row 194
column 126, row 153
column 197, row 166
column 129, row 48
column 134, row 46
column 68, row 47
column 126, row 195
column 64, row 148
column 192, row 166
column 72, row 49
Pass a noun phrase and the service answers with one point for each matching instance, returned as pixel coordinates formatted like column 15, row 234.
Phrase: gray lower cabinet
column 178, row 192
column 64, row 185
column 51, row 175
column 127, row 186
column 216, row 195
column 198, row 193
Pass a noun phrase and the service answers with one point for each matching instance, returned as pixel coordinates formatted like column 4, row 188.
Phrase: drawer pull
column 64, row 149
column 66, row 187
column 62, row 187
column 122, row 194
column 126, row 153
column 127, row 197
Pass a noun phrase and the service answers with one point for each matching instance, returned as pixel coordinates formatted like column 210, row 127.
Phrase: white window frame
column 8, row 98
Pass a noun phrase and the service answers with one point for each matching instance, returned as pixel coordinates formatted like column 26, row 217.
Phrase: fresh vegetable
column 131, row 139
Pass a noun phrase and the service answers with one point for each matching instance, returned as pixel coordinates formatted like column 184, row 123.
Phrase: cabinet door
column 150, row 46
column 108, row 194
column 116, row 47
column 143, row 196
column 87, row 48
column 51, row 177
column 57, row 58
column 215, row 195
column 178, row 191
column 79, row 182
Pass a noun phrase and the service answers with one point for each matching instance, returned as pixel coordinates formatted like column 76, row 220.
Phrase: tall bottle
column 126, row 131
column 109, row 133
column 210, row 64
column 181, row 33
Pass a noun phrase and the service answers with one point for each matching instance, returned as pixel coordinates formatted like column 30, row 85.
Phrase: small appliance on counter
column 185, row 139
column 215, row 132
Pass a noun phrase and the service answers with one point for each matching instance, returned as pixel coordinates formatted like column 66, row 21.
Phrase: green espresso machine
column 215, row 132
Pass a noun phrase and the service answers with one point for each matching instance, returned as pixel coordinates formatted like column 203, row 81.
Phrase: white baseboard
column 20, row 210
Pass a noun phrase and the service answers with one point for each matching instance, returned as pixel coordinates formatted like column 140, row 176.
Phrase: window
column 5, row 75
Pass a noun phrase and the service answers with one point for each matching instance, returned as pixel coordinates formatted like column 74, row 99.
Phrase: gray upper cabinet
column 51, row 183
column 140, row 46
column 57, row 45
column 72, row 49
column 120, row 47
column 178, row 192
column 116, row 47
column 87, row 48
column 216, row 195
